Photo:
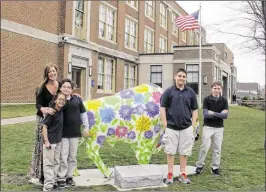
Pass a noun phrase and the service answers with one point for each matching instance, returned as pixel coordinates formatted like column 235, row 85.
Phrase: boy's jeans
column 51, row 160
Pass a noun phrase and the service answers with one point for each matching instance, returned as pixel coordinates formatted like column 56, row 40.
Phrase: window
column 107, row 23
column 156, row 74
column 225, row 56
column 148, row 41
column 149, row 9
column 175, row 28
column 173, row 44
column 191, row 36
column 106, row 73
column 163, row 45
column 184, row 36
column 79, row 16
column 215, row 73
column 196, row 38
column 130, row 76
column 163, row 16
column 193, row 76
column 131, row 34
column 133, row 4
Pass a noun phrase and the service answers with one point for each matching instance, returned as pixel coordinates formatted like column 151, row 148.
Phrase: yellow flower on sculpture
column 92, row 134
column 143, row 123
column 142, row 89
column 93, row 105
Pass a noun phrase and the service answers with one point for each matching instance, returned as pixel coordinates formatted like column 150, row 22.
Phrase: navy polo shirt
column 179, row 105
column 72, row 121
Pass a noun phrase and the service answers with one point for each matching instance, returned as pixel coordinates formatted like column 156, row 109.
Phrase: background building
column 99, row 44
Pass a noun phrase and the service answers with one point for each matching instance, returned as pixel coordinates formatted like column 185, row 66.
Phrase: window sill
column 107, row 40
column 150, row 18
column 131, row 49
column 163, row 27
column 104, row 92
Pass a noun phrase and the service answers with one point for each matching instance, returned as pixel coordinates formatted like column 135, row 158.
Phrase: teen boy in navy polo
column 215, row 110
column 178, row 106
column 74, row 112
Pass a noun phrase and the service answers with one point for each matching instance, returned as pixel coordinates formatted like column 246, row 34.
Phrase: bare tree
column 250, row 18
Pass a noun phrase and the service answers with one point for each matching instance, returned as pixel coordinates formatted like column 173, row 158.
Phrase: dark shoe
column 41, row 180
column 70, row 182
column 55, row 186
column 199, row 170
column 61, row 184
column 216, row 171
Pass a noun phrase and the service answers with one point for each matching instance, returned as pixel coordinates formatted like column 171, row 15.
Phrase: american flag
column 188, row 22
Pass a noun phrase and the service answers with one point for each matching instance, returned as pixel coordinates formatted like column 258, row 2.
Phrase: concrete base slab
column 92, row 177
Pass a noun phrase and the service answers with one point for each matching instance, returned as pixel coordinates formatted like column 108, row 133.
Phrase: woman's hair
column 45, row 77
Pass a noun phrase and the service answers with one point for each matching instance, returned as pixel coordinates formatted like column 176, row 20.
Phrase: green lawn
column 243, row 159
column 10, row 111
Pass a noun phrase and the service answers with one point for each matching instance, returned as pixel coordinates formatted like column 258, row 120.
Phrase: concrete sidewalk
column 18, row 120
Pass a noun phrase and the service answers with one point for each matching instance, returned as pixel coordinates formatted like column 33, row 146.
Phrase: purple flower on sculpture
column 126, row 112
column 148, row 134
column 138, row 98
column 91, row 119
column 107, row 115
column 139, row 110
column 152, row 109
column 126, row 94
column 100, row 139
column 157, row 128
column 111, row 131
column 131, row 135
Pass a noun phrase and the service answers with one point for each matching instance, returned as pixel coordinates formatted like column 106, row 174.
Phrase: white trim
column 145, row 26
column 195, row 61
column 154, row 10
column 73, row 18
column 107, row 4
column 212, row 47
column 132, row 18
column 28, row 31
column 173, row 8
column 163, row 37
column 115, row 43
column 136, row 8
column 88, row 20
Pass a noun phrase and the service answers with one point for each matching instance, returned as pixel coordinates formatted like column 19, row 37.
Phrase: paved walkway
column 18, row 120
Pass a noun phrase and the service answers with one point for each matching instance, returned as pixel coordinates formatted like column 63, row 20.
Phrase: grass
column 243, row 157
column 10, row 111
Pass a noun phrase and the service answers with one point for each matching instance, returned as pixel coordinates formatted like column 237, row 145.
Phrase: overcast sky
column 251, row 67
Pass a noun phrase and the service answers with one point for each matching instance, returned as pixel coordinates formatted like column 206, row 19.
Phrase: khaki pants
column 208, row 134
column 51, row 159
column 68, row 158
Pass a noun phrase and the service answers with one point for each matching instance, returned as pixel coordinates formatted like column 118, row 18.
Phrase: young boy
column 215, row 110
column 74, row 111
column 52, row 136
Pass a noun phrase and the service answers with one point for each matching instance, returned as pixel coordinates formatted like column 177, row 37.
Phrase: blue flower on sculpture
column 138, row 98
column 100, row 139
column 107, row 115
column 139, row 110
column 157, row 128
column 91, row 119
column 111, row 131
column 152, row 109
column 131, row 135
column 126, row 112
column 126, row 94
column 148, row 134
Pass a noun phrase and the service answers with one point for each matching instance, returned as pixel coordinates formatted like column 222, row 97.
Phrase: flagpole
column 200, row 78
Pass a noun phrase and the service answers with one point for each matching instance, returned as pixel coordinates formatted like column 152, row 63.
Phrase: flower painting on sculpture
column 130, row 116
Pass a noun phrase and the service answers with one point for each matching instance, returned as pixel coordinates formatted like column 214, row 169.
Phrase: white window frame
column 162, row 41
column 105, row 75
column 193, row 72
column 173, row 44
column 107, row 10
column 162, row 9
column 131, row 36
column 128, row 77
column 146, row 40
column 184, row 36
column 131, row 4
column 149, row 8
column 191, row 37
column 175, row 29
column 156, row 72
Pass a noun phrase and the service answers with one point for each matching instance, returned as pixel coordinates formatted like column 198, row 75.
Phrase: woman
column 44, row 95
